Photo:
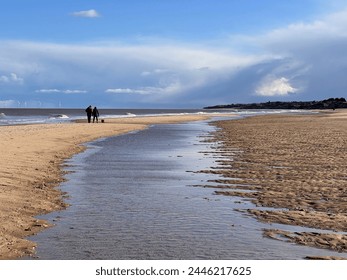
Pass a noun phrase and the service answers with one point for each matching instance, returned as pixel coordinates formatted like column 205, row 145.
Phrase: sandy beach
column 295, row 164
column 30, row 171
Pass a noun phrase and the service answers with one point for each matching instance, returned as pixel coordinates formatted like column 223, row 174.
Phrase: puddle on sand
column 132, row 198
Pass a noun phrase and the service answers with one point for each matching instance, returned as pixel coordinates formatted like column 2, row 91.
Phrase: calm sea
column 32, row 116
column 36, row 116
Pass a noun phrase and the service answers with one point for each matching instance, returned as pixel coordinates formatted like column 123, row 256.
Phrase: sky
column 170, row 53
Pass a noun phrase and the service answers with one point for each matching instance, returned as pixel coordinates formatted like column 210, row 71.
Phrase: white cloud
column 12, row 78
column 88, row 14
column 66, row 91
column 8, row 103
column 166, row 90
column 73, row 91
column 155, row 72
column 47, row 91
column 128, row 91
column 275, row 87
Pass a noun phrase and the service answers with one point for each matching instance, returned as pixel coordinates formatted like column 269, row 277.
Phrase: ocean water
column 33, row 116
column 135, row 196
column 37, row 116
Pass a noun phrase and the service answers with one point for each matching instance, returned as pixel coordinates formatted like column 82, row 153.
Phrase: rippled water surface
column 132, row 197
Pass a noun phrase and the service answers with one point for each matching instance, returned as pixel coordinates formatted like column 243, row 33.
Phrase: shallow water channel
column 133, row 197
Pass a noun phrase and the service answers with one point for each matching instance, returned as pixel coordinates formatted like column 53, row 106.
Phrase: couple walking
column 92, row 112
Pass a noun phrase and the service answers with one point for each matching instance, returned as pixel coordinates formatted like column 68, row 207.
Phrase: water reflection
column 132, row 198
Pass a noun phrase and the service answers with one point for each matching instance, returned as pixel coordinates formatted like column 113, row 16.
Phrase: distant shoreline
column 331, row 103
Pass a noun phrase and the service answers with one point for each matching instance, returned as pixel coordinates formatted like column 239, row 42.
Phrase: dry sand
column 30, row 171
column 295, row 163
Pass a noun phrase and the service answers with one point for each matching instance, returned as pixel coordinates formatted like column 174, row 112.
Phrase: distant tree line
column 331, row 103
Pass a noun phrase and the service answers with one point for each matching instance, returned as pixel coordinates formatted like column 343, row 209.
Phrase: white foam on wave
column 59, row 116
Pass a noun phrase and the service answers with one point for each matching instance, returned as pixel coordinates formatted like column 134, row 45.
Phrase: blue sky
column 170, row 53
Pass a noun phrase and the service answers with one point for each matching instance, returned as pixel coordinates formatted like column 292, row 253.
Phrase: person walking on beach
column 89, row 112
column 95, row 115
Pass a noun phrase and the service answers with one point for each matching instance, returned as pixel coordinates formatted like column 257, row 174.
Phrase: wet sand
column 30, row 171
column 295, row 164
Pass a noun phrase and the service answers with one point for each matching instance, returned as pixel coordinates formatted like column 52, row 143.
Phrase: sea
column 39, row 116
column 143, row 196
column 17, row 116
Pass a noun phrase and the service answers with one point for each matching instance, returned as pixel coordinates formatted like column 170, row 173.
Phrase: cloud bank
column 302, row 61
